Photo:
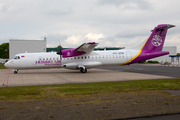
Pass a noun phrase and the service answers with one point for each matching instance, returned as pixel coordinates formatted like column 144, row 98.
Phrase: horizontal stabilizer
column 164, row 27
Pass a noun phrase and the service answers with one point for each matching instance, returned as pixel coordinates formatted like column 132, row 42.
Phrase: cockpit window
column 16, row 57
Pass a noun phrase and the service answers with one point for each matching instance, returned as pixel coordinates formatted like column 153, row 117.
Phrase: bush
column 150, row 61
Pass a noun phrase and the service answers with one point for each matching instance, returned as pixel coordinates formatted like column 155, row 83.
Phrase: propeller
column 60, row 51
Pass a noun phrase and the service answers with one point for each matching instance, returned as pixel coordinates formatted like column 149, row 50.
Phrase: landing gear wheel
column 15, row 71
column 83, row 70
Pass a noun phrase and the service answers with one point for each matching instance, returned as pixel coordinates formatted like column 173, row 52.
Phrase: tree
column 4, row 50
column 59, row 46
column 178, row 54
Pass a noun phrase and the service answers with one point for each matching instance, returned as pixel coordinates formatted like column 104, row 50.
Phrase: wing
column 86, row 47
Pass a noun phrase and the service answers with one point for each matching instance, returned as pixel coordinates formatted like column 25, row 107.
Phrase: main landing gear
column 82, row 69
column 15, row 71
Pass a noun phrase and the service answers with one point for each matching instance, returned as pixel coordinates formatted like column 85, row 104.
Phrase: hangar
column 21, row 46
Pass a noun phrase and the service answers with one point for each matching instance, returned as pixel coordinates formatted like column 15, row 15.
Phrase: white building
column 172, row 51
column 21, row 46
column 175, row 59
column 2, row 60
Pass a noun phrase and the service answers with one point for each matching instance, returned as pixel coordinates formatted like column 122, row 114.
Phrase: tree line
column 4, row 50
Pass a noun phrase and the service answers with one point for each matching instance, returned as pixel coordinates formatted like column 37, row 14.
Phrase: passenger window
column 46, row 58
column 43, row 58
column 85, row 57
column 78, row 57
column 18, row 57
column 81, row 57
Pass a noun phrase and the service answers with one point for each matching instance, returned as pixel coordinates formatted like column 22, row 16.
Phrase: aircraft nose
column 6, row 64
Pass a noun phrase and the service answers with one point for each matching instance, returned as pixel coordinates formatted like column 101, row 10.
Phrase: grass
column 84, row 89
column 2, row 66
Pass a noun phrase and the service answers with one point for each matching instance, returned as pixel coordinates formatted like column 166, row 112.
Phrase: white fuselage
column 52, row 60
column 75, row 58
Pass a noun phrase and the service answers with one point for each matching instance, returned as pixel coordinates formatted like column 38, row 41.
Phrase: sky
column 111, row 23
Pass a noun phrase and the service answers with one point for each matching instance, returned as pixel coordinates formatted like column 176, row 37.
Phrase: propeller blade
column 60, row 52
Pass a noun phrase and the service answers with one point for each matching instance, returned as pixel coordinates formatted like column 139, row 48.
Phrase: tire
column 15, row 72
column 83, row 70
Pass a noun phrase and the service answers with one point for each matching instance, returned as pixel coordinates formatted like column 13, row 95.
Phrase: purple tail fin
column 153, row 46
column 156, row 40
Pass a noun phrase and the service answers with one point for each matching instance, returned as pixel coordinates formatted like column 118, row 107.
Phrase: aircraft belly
column 92, row 64
column 113, row 61
column 86, row 64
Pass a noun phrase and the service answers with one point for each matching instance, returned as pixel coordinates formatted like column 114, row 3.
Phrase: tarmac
column 63, row 76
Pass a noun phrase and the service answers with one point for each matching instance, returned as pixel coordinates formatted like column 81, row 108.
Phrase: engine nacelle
column 71, row 53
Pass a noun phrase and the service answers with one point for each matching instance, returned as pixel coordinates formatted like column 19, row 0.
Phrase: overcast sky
column 111, row 23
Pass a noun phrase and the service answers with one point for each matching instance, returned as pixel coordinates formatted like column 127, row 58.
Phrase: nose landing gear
column 15, row 71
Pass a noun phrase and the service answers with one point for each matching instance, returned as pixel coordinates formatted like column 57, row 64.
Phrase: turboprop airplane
column 83, row 57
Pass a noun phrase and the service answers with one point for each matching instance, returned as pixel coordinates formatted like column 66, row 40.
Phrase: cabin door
column 128, row 55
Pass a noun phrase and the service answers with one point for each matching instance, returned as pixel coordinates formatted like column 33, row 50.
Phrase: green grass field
column 84, row 89
column 2, row 66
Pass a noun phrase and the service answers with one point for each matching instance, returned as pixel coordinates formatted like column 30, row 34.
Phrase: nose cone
column 6, row 64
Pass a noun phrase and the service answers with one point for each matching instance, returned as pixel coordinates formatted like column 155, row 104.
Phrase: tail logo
column 156, row 40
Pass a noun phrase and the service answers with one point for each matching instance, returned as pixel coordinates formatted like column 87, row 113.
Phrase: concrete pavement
column 63, row 76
